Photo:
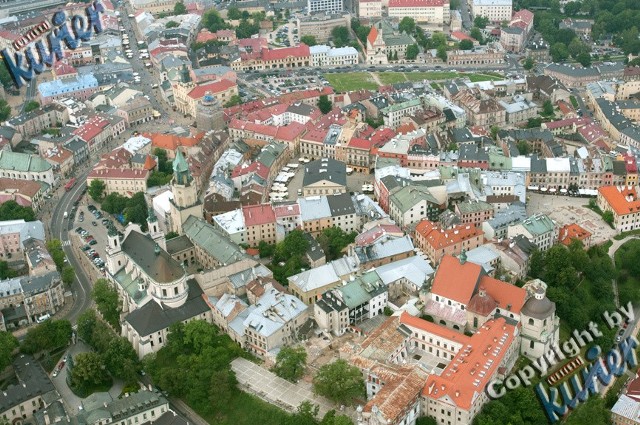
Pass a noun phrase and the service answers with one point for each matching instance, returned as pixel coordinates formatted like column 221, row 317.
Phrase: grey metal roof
column 160, row 266
column 178, row 244
column 152, row 317
column 341, row 204
column 212, row 241
column 33, row 381
column 325, row 169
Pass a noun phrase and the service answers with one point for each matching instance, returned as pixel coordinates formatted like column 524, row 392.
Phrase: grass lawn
column 246, row 409
column 391, row 77
column 574, row 101
column 475, row 78
column 350, row 81
column 432, row 75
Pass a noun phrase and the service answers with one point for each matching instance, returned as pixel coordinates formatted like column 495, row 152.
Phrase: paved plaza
column 275, row 390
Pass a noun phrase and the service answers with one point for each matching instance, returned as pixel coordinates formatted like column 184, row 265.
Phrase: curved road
column 60, row 226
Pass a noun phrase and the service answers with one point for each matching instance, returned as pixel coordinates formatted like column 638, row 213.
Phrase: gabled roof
column 456, row 281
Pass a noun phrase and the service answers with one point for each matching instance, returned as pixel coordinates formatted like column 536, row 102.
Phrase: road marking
column 66, row 243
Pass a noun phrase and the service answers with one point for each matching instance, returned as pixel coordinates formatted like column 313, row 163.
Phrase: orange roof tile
column 622, row 201
column 149, row 163
column 255, row 215
column 572, row 231
column 467, row 375
column 214, row 87
column 438, row 238
column 171, row 141
column 373, row 34
column 456, row 281
column 509, row 297
column 432, row 328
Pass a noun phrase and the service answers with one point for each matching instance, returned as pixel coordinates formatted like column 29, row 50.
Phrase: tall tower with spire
column 154, row 229
column 185, row 200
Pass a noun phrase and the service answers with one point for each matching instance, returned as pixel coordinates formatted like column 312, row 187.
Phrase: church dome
column 482, row 303
column 539, row 306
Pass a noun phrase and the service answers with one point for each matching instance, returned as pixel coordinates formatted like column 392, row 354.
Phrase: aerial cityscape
column 319, row 212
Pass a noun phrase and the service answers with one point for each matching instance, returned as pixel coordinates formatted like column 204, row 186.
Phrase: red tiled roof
column 372, row 235
column 617, row 199
column 205, row 35
column 438, row 238
column 572, row 231
column 373, row 34
column 91, row 128
column 290, row 132
column 255, row 215
column 456, row 281
column 509, row 297
column 358, row 143
column 214, row 87
column 432, row 328
column 523, row 15
column 24, row 187
column 286, row 210
column 149, row 163
column 461, row 381
column 382, row 136
column 459, row 35
column 60, row 156
column 171, row 141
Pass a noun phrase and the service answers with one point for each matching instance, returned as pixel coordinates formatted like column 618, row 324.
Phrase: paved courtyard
column 275, row 390
column 566, row 210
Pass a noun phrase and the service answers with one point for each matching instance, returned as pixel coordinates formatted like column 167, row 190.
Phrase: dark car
column 86, row 248
column 94, row 223
column 93, row 242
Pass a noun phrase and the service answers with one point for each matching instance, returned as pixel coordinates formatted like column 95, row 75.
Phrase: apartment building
column 478, row 56
column 422, row 11
column 24, row 166
column 474, row 212
column 33, row 122
column 310, row 284
column 370, row 8
column 495, row 10
column 260, row 224
column 325, row 56
column 324, row 177
column 623, row 202
column 123, row 181
column 410, row 204
column 437, row 242
column 320, row 25
column 82, row 87
column 187, row 96
column 538, row 228
column 286, row 57
column 326, row 6
column 362, row 298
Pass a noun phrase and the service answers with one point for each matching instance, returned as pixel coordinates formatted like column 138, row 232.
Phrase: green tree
column 233, row 101
column 106, row 298
column 534, row 122
column 559, row 52
column 158, row 178
column 31, row 106
column 362, row 32
column 46, row 336
column 426, row 420
column 171, row 24
column 96, row 189
column 212, row 21
column 88, row 371
column 121, row 359
column 8, row 343
column 547, row 108
column 442, row 53
column 247, row 28
column 114, row 203
column 584, row 59
column 407, row 25
column 54, row 246
column 412, row 52
column 608, row 218
column 290, row 363
column 437, row 39
column 6, row 272
column 340, row 36
column 309, row 40
column 523, row 147
column 305, row 415
column 593, row 411
column 5, row 76
column 5, row 110
column 137, row 210
column 395, row 56
column 86, row 325
column 476, row 34
column 481, row 22
column 528, row 64
column 11, row 210
column 324, row 104
column 223, row 385
column 171, row 235
column 179, row 8
column 339, row 382
column 330, row 418
column 234, row 13
column 68, row 274
column 334, row 240
column 466, row 45
column 266, row 249
column 576, row 47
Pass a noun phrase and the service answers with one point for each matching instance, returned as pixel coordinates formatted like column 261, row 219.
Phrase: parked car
column 93, row 242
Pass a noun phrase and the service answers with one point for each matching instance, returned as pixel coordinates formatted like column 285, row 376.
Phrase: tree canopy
column 11, row 210
column 88, row 371
column 179, row 8
column 339, row 382
column 340, row 36
column 466, row 45
column 46, row 336
column 309, row 40
column 31, row 106
column 290, row 363
column 106, row 299
column 5, row 110
column 96, row 189
column 8, row 343
column 324, row 104
column 289, row 256
column 481, row 22
column 135, row 209
column 333, row 240
column 412, row 52
column 212, row 21
column 407, row 24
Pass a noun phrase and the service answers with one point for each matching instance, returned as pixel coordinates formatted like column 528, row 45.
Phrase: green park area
column 350, row 81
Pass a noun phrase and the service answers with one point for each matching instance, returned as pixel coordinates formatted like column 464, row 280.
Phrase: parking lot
column 285, row 36
column 96, row 230
column 566, row 210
